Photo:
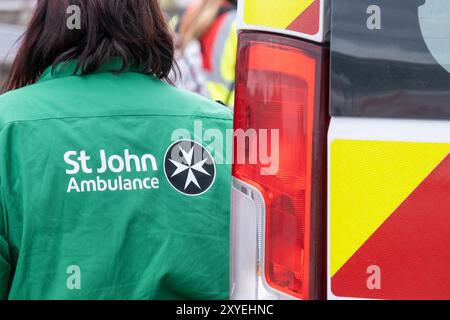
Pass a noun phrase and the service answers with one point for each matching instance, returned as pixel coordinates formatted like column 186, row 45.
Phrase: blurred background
column 14, row 15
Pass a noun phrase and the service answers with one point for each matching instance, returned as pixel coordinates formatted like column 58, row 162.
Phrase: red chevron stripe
column 412, row 248
column 308, row 21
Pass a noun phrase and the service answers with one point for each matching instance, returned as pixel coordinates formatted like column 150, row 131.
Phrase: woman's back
column 84, row 192
column 104, row 195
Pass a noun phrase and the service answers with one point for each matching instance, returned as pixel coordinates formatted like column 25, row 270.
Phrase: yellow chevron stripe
column 273, row 13
column 369, row 180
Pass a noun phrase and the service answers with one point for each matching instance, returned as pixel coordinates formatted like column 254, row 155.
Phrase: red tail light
column 282, row 85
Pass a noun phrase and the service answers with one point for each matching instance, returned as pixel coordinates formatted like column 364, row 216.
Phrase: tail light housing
column 278, row 209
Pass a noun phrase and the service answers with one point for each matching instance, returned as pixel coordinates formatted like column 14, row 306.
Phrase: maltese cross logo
column 189, row 167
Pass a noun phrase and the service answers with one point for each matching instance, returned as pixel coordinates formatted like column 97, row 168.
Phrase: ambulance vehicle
column 358, row 94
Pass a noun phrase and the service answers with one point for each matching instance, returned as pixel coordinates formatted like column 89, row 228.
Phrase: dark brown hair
column 133, row 30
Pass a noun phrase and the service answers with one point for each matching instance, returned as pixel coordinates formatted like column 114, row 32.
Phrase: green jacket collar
column 68, row 68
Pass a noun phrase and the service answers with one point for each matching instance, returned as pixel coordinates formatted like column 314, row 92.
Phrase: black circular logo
column 189, row 167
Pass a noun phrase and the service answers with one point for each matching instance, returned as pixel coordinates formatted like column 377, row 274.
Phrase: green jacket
column 101, row 200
